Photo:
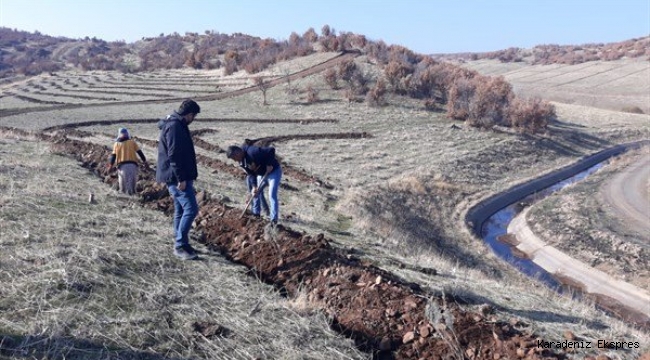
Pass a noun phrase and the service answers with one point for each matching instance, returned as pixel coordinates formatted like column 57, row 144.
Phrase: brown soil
column 386, row 316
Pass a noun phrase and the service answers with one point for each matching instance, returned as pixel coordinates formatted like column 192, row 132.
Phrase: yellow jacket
column 126, row 152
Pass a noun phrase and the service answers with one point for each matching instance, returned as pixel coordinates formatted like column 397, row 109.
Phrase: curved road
column 628, row 193
column 629, row 302
column 592, row 281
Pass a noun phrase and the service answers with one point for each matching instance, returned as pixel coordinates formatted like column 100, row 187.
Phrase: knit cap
column 123, row 132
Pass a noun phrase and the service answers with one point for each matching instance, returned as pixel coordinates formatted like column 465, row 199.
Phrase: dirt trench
column 385, row 315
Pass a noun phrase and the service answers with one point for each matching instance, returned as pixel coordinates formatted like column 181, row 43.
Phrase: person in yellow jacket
column 124, row 157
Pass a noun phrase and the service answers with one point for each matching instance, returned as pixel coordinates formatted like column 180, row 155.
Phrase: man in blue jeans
column 260, row 162
column 177, row 169
column 259, row 203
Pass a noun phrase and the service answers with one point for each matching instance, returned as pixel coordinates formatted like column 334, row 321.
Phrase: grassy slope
column 399, row 196
column 93, row 281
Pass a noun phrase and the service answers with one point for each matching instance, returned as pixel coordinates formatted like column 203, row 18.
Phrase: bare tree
column 262, row 85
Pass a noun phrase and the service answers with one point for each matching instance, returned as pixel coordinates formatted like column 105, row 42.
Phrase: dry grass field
column 615, row 85
column 82, row 280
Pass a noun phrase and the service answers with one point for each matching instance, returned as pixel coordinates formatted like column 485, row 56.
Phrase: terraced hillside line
column 206, row 145
column 210, row 120
column 532, row 73
column 266, row 141
column 620, row 78
column 553, row 70
column 32, row 100
column 84, row 97
column 153, row 87
column 385, row 315
column 179, row 82
column 200, row 132
column 90, row 91
column 218, row 96
column 586, row 76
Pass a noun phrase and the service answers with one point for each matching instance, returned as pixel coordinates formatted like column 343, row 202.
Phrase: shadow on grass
column 69, row 348
column 404, row 217
column 537, row 316
column 567, row 139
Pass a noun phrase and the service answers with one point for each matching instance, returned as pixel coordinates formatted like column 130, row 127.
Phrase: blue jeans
column 185, row 210
column 259, row 202
column 273, row 181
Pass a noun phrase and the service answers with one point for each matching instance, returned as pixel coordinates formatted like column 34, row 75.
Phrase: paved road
column 554, row 261
column 628, row 193
column 592, row 280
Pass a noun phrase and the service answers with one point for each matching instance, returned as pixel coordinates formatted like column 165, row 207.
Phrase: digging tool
column 250, row 200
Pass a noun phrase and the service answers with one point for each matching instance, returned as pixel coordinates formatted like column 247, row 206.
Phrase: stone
column 408, row 337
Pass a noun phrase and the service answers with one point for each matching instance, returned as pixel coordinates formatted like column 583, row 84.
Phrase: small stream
column 497, row 224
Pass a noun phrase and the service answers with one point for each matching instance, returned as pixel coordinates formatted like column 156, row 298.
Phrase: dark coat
column 258, row 158
column 176, row 156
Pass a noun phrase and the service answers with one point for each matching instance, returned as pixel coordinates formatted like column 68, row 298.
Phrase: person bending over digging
column 251, row 183
column 124, row 154
column 260, row 162
column 177, row 169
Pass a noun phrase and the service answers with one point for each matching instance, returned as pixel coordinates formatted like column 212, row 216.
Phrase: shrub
column 395, row 71
column 310, row 35
column 330, row 43
column 312, row 95
column 350, row 96
column 530, row 115
column 431, row 105
column 229, row 67
column 460, row 95
column 359, row 82
column 490, row 101
column 330, row 78
column 346, row 69
column 377, row 95
column 326, row 31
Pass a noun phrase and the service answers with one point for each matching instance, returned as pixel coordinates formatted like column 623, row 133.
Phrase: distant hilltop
column 28, row 54
column 562, row 54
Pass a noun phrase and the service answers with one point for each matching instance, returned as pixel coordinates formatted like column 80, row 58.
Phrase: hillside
column 638, row 48
column 23, row 53
column 373, row 258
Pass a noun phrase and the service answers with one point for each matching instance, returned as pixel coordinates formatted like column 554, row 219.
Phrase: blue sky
column 424, row 26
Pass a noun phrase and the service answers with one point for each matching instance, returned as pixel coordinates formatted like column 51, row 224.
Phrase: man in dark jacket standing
column 177, row 168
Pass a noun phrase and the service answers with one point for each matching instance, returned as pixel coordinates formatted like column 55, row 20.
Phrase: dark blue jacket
column 260, row 157
column 176, row 156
